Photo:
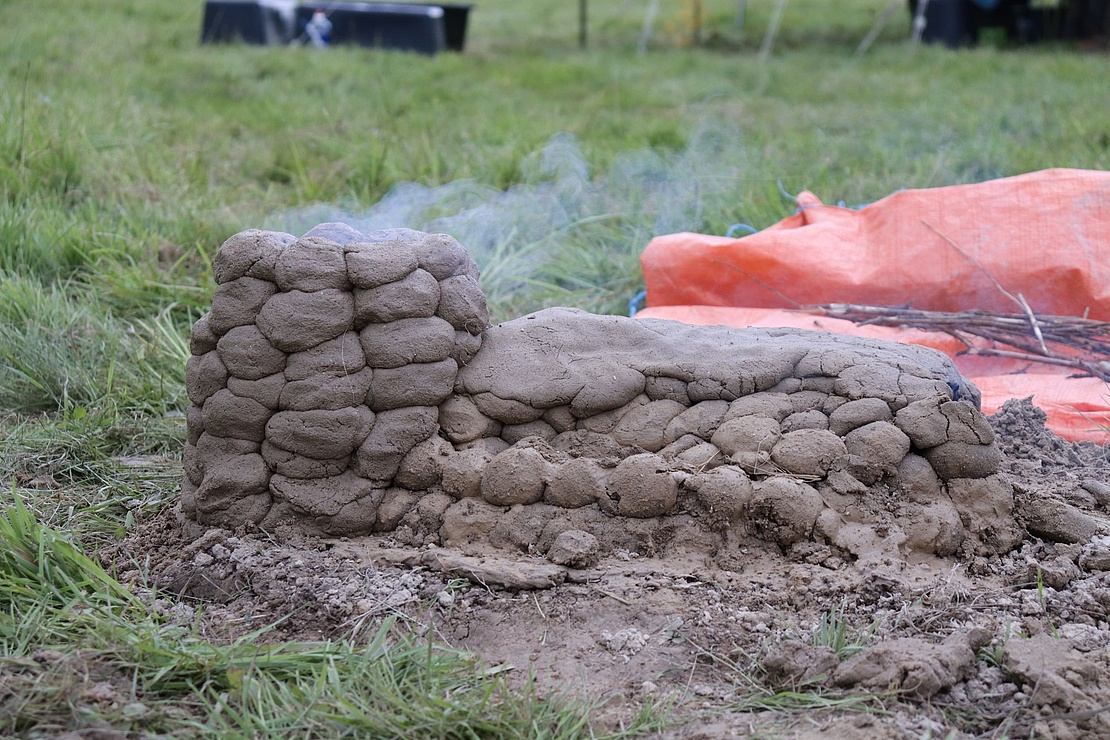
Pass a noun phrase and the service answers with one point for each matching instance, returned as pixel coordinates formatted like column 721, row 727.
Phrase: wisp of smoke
column 529, row 238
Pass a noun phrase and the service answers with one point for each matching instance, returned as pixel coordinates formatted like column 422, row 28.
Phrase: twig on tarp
column 1069, row 341
column 1033, row 322
column 1019, row 299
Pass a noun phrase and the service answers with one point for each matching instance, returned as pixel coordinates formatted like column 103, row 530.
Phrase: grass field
column 128, row 153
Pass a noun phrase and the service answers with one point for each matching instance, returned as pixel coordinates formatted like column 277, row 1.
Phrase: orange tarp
column 1043, row 237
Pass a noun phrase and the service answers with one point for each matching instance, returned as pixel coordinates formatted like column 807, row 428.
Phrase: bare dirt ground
column 755, row 642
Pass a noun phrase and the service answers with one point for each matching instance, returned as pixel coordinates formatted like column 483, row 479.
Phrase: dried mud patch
column 798, row 645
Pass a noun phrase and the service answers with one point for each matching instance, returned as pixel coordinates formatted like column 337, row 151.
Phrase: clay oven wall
column 348, row 383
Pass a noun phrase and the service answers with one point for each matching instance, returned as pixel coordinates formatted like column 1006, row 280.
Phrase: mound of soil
column 1015, row 641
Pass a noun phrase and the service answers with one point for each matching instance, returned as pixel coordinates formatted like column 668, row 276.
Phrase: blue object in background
column 418, row 28
column 319, row 29
column 634, row 304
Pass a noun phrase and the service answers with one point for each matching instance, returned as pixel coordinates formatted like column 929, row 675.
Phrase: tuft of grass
column 1043, row 602
column 835, row 632
column 994, row 653
column 43, row 569
column 62, row 350
column 755, row 694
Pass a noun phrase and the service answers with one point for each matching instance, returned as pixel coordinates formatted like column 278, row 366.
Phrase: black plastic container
column 247, row 21
column 454, row 25
column 946, row 22
column 418, row 28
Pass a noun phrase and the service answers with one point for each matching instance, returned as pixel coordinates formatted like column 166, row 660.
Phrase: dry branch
column 1069, row 341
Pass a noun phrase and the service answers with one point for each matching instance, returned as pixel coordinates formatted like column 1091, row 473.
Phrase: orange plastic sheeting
column 1078, row 409
column 1045, row 235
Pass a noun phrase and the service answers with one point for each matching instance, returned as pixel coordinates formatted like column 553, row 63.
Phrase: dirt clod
column 913, row 666
column 574, row 548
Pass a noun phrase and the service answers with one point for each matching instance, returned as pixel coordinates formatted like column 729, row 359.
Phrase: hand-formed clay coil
column 342, row 378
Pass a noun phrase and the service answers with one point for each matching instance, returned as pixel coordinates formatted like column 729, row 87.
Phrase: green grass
column 62, row 348
column 128, row 153
column 81, row 652
column 756, row 693
column 834, row 631
column 125, row 141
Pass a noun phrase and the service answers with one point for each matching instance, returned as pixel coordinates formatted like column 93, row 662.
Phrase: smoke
column 528, row 239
